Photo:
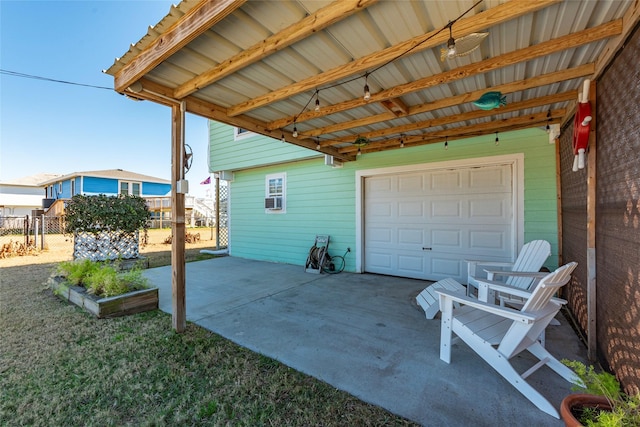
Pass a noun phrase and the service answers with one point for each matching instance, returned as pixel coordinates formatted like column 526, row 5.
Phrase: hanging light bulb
column 497, row 139
column 367, row 92
column 282, row 137
column 401, row 142
column 359, row 152
column 317, row 144
column 295, row 131
column 317, row 102
column 548, row 120
column 451, row 44
column 446, row 142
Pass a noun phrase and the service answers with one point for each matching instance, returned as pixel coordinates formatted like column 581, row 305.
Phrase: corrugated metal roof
column 396, row 45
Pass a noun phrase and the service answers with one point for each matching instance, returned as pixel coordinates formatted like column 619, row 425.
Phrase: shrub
column 102, row 279
column 105, row 213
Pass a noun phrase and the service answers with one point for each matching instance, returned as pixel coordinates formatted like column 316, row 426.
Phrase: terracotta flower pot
column 575, row 401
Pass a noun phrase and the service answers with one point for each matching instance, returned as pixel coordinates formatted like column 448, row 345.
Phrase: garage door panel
column 446, row 182
column 411, row 265
column 380, row 210
column 382, row 261
column 379, row 235
column 491, row 209
column 450, row 239
column 459, row 214
column 442, row 267
column 412, row 208
column 411, row 236
column 446, row 208
column 380, row 185
column 489, row 242
column 408, row 184
column 490, row 179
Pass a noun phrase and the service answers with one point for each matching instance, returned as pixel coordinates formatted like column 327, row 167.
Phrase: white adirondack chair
column 523, row 273
column 498, row 333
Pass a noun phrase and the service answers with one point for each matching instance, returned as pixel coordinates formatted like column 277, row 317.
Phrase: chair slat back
column 531, row 258
column 520, row 335
column 547, row 287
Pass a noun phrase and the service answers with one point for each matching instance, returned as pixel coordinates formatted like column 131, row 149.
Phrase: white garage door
column 424, row 225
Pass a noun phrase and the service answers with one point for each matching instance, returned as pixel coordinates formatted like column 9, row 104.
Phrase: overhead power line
column 47, row 79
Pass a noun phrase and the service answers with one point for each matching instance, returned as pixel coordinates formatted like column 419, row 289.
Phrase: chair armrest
column 510, row 290
column 489, row 263
column 506, row 312
column 535, row 274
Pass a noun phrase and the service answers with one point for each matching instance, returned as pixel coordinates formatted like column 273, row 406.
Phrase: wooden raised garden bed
column 120, row 305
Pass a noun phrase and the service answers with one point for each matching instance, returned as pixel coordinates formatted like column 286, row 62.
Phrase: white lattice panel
column 105, row 245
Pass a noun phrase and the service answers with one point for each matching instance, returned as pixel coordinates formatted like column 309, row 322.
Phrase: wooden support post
column 591, row 232
column 217, row 219
column 179, row 315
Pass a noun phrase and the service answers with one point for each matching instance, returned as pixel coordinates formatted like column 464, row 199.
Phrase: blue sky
column 60, row 128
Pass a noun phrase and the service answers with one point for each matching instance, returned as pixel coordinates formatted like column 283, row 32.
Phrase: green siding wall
column 249, row 151
column 321, row 199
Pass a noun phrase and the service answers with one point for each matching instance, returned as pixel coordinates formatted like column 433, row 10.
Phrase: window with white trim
column 239, row 133
column 130, row 188
column 275, row 193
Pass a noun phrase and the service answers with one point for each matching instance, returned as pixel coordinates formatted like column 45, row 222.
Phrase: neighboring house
column 21, row 196
column 113, row 182
column 416, row 212
column 110, row 182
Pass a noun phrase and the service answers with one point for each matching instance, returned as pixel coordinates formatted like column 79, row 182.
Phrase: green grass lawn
column 60, row 366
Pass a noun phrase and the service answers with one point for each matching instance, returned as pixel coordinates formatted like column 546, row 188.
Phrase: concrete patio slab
column 364, row 334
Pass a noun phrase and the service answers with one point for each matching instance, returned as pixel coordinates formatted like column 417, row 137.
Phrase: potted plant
column 600, row 401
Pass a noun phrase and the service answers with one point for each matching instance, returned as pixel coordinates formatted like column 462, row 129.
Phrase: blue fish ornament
column 490, row 100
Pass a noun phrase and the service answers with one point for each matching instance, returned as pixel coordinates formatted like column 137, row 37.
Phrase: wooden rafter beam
column 520, row 85
column 493, row 16
column 501, row 125
column 395, row 106
column 580, row 38
column 155, row 92
column 456, row 118
column 195, row 22
column 311, row 24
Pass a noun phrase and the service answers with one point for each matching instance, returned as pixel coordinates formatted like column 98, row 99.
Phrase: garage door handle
column 426, row 249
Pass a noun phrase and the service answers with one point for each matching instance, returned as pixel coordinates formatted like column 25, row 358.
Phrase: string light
column 451, row 43
column 548, row 120
column 367, row 92
column 497, row 139
column 451, row 52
